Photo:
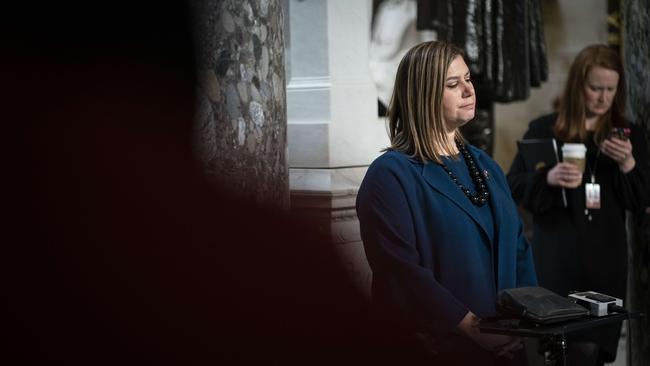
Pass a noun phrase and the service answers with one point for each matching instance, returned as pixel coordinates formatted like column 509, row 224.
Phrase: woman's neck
column 451, row 138
column 591, row 123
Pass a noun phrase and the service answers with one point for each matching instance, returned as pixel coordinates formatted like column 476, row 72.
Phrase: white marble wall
column 331, row 100
column 333, row 129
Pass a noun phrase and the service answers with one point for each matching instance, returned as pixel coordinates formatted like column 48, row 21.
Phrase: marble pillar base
column 327, row 197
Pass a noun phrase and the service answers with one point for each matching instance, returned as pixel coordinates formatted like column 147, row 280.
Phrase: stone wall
column 241, row 123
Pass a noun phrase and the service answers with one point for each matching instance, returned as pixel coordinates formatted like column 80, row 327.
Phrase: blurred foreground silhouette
column 120, row 251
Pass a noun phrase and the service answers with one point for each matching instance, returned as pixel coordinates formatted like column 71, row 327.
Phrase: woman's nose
column 468, row 89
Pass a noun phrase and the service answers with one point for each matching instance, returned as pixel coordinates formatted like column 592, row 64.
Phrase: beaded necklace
column 480, row 197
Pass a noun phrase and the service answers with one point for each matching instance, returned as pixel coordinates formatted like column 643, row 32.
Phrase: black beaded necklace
column 481, row 196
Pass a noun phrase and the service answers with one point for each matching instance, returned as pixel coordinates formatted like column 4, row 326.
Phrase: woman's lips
column 467, row 106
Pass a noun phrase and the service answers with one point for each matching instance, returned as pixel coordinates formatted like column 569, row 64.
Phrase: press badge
column 592, row 191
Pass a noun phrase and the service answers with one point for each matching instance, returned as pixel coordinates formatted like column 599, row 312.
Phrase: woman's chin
column 459, row 121
column 466, row 120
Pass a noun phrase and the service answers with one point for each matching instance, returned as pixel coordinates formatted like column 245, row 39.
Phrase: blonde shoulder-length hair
column 570, row 125
column 415, row 116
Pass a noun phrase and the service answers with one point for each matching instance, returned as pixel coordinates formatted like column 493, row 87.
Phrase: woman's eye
column 452, row 85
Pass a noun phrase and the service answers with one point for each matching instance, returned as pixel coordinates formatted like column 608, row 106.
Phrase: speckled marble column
column 241, row 118
column 636, row 48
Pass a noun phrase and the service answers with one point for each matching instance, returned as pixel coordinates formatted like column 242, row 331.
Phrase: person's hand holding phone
column 619, row 148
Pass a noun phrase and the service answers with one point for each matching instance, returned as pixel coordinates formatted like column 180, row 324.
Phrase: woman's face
column 458, row 99
column 599, row 90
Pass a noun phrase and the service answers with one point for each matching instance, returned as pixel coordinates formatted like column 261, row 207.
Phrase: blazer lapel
column 436, row 177
column 497, row 197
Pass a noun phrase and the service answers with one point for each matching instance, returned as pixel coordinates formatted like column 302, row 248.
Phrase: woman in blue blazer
column 440, row 229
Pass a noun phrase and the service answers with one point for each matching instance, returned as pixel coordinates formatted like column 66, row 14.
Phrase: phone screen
column 620, row 132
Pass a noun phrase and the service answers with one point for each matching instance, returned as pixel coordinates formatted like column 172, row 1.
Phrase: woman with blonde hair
column 439, row 226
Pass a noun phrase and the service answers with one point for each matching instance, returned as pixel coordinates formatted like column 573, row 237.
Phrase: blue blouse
column 458, row 166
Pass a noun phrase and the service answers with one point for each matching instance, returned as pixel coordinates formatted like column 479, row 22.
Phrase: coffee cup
column 574, row 154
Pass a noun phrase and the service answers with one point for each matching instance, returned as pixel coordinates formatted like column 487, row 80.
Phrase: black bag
column 538, row 305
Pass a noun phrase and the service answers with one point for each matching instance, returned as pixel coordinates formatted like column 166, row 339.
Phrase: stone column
column 241, row 113
column 333, row 129
column 636, row 55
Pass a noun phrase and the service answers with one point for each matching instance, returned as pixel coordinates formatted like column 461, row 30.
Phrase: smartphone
column 600, row 297
column 622, row 133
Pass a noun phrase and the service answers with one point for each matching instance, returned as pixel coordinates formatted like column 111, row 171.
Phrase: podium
column 554, row 335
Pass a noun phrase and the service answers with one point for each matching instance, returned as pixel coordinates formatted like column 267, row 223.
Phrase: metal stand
column 553, row 336
column 554, row 349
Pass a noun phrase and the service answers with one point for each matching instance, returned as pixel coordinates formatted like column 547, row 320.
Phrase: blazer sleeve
column 632, row 188
column 389, row 238
column 526, row 275
column 525, row 266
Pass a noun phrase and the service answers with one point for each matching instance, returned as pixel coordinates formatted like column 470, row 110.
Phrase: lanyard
column 592, row 190
column 592, row 173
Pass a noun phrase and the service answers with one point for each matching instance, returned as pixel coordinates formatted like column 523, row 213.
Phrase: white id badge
column 592, row 191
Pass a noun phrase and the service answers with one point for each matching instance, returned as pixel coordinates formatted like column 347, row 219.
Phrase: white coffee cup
column 574, row 154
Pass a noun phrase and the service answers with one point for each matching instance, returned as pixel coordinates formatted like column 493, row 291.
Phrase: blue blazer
column 429, row 253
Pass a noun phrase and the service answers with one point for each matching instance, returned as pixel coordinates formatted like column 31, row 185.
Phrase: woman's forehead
column 602, row 75
column 458, row 67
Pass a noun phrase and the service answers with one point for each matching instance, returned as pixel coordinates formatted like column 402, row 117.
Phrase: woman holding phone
column 580, row 244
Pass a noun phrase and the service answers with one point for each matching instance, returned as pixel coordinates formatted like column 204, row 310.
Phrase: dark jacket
column 430, row 255
column 571, row 251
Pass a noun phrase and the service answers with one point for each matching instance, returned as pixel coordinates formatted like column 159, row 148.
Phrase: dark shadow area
column 119, row 250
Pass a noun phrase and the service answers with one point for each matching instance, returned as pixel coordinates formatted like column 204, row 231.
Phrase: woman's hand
column 564, row 175
column 501, row 345
column 620, row 151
